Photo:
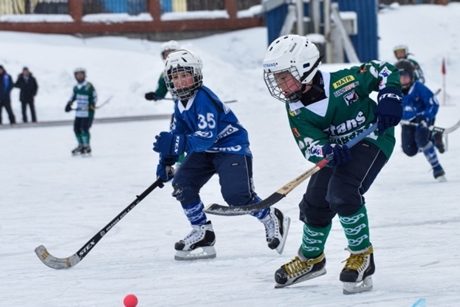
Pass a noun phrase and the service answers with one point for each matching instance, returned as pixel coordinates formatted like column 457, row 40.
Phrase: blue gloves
column 340, row 153
column 165, row 172
column 389, row 110
column 169, row 144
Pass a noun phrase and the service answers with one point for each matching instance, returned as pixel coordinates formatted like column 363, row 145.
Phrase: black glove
column 389, row 110
column 151, row 96
column 340, row 153
column 68, row 107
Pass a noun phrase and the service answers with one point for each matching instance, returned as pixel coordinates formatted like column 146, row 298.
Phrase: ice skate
column 357, row 273
column 86, row 151
column 198, row 244
column 439, row 174
column 276, row 229
column 300, row 269
column 77, row 150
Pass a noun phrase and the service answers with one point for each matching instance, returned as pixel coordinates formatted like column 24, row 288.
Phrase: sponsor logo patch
column 343, row 81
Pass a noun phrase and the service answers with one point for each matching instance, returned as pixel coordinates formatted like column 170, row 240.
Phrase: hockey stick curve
column 217, row 209
column 96, row 107
column 435, row 128
column 65, row 263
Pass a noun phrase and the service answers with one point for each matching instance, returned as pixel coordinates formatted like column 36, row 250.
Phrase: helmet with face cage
column 294, row 54
column 397, row 49
column 406, row 68
column 183, row 61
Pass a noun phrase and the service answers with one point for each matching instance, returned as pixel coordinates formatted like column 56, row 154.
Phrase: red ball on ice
column 130, row 300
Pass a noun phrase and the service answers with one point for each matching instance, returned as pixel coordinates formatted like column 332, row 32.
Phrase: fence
column 403, row 2
column 127, row 16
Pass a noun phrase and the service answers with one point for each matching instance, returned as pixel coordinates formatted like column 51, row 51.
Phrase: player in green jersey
column 401, row 52
column 162, row 90
column 326, row 110
column 85, row 96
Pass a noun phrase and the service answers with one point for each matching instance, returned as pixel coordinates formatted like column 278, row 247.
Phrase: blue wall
column 365, row 42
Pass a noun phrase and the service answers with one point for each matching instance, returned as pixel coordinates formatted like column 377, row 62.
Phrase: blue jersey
column 209, row 125
column 419, row 101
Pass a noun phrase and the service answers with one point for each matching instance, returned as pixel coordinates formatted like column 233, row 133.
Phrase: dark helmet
column 406, row 68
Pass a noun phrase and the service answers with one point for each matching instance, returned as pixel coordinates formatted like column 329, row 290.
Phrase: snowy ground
column 50, row 198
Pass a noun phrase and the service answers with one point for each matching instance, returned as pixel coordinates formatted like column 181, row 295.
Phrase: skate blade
column 206, row 252
column 358, row 287
column 304, row 278
column 442, row 178
column 286, row 224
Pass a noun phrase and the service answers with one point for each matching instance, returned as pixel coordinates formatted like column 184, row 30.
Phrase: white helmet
column 79, row 69
column 295, row 54
column 169, row 46
column 183, row 60
column 399, row 48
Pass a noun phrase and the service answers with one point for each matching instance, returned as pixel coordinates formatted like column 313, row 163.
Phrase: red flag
column 443, row 67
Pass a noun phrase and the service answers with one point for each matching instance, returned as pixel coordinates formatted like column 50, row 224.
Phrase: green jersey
column 346, row 111
column 161, row 90
column 86, row 97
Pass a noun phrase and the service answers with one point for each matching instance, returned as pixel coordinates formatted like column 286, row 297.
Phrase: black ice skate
column 77, row 150
column 439, row 174
column 300, row 269
column 198, row 244
column 86, row 151
column 357, row 273
column 276, row 229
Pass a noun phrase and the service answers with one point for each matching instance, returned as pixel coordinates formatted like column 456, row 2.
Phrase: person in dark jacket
column 6, row 85
column 29, row 87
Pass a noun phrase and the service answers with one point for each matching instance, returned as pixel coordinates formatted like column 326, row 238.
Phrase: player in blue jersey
column 420, row 107
column 215, row 143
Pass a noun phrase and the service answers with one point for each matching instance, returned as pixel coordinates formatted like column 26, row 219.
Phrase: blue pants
column 414, row 138
column 234, row 171
column 340, row 190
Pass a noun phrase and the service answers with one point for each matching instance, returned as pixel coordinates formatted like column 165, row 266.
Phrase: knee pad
column 410, row 150
column 185, row 194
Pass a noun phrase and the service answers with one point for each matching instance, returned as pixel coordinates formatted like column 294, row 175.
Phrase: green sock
column 79, row 139
column 313, row 240
column 85, row 138
column 356, row 227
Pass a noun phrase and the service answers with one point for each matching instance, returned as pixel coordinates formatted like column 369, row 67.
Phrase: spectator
column 6, row 84
column 29, row 87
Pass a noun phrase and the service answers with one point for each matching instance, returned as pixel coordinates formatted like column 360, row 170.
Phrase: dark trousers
column 82, row 124
column 31, row 105
column 7, row 105
column 234, row 171
column 413, row 138
column 340, row 190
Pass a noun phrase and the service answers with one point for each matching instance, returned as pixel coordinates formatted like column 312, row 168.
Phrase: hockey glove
column 165, row 172
column 68, row 107
column 151, row 96
column 422, row 122
column 338, row 154
column 169, row 144
column 389, row 110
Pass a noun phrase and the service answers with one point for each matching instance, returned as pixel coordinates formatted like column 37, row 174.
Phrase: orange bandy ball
column 130, row 300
